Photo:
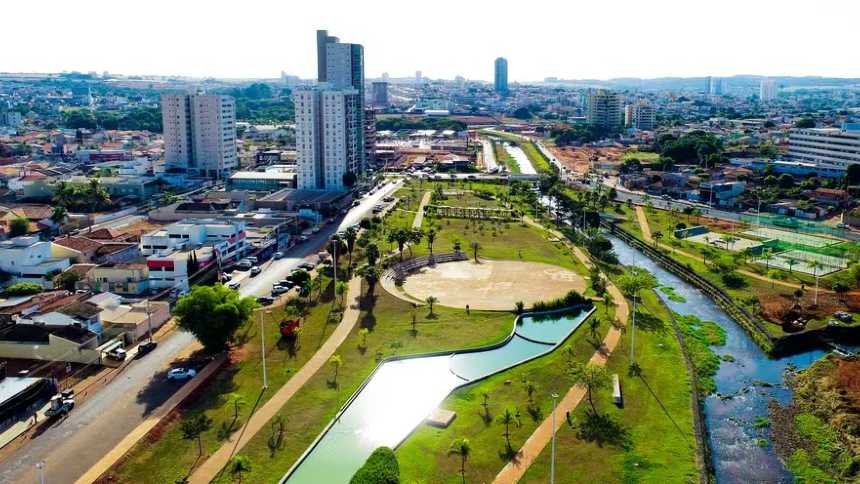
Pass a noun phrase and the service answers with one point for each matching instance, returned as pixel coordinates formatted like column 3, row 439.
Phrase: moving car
column 255, row 270
column 181, row 373
column 306, row 266
column 234, row 285
column 279, row 255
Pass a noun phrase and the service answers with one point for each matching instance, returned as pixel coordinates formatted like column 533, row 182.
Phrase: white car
column 234, row 285
column 278, row 290
column 279, row 255
column 255, row 270
column 181, row 373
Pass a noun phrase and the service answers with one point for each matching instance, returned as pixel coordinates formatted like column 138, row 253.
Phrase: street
column 69, row 447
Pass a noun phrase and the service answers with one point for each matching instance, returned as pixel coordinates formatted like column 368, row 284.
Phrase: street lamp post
column 552, row 459
column 263, row 348
column 40, row 468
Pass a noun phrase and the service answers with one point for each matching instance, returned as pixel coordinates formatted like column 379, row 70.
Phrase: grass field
column 170, row 457
column 656, row 409
column 389, row 322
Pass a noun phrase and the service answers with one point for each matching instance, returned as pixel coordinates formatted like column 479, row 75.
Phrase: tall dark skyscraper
column 501, row 77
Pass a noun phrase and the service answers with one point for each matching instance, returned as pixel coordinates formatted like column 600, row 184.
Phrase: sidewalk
column 419, row 216
column 534, row 445
column 209, row 470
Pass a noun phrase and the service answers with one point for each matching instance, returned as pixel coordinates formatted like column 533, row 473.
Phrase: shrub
column 23, row 289
column 733, row 280
column 572, row 298
column 380, row 468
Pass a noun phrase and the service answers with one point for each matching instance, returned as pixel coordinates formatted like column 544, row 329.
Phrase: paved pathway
column 534, row 445
column 213, row 465
column 419, row 216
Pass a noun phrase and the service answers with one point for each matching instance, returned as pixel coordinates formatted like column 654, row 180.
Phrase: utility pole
column 40, row 467
column 263, row 348
column 552, row 459
column 149, row 319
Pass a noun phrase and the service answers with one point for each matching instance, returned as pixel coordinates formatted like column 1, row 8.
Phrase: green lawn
column 165, row 456
column 389, row 320
column 505, row 159
column 537, row 159
column 656, row 419
column 423, row 456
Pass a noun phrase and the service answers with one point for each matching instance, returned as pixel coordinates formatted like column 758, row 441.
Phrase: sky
column 568, row 39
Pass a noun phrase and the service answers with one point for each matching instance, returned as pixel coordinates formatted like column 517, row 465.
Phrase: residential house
column 27, row 259
column 129, row 278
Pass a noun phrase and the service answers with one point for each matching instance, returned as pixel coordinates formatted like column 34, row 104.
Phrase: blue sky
column 443, row 38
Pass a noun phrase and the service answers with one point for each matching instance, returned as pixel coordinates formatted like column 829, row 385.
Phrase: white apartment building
column 29, row 259
column 604, row 109
column 329, row 137
column 643, row 116
column 200, row 133
column 767, row 90
column 826, row 146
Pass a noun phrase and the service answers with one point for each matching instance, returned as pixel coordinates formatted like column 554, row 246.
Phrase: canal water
column 402, row 393
column 744, row 386
column 521, row 158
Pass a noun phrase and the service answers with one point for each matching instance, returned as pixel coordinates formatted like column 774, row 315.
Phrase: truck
column 61, row 404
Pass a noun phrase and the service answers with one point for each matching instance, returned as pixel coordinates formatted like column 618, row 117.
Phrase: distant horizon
column 610, row 40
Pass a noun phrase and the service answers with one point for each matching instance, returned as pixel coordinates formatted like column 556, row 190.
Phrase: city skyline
column 675, row 38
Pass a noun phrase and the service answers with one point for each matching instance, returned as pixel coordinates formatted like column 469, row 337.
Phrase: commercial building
column 273, row 178
column 717, row 86
column 794, row 168
column 380, row 94
column 838, row 147
column 604, row 109
column 767, row 90
column 501, row 76
column 200, row 133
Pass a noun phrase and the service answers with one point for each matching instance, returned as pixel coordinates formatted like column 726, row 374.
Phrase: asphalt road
column 71, row 446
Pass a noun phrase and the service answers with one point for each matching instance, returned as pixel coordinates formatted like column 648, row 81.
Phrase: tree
column 213, row 314
column 431, row 237
column 485, row 402
column 508, row 418
column 519, row 307
column 841, row 289
column 475, row 248
column 349, row 236
column 592, row 377
column 19, row 226
column 805, row 123
column 349, row 179
column 236, row 401
column 371, row 275
column 336, row 362
column 431, row 300
column 815, row 265
column 730, row 241
column 23, row 289
column 193, row 427
column 380, row 468
column 530, row 391
column 67, row 280
column 239, row 464
column 59, row 215
column 456, row 246
column 401, row 237
column 462, row 448
column 362, row 333
column 372, row 254
column 791, row 261
column 340, row 289
column 594, row 328
column 767, row 256
column 658, row 235
column 631, row 283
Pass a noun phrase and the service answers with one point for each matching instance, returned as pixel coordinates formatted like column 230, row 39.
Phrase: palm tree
column 475, row 248
column 59, row 214
column 236, row 401
column 336, row 362
column 372, row 254
column 431, row 237
column 530, row 390
column 431, row 300
column 350, row 235
column 791, row 261
column 631, row 283
column 592, row 377
column 341, row 289
column 462, row 448
column 730, row 241
column 485, row 402
column 362, row 333
column 239, row 464
column 767, row 256
column 508, row 418
column 371, row 275
column 658, row 235
column 594, row 328
column 401, row 237
column 815, row 265
column 193, row 428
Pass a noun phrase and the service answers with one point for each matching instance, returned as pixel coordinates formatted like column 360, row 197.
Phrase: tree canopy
column 695, row 147
column 578, row 133
column 395, row 124
column 380, row 468
column 213, row 314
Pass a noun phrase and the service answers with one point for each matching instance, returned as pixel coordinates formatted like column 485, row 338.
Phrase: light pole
column 40, row 468
column 149, row 320
column 263, row 348
column 552, row 459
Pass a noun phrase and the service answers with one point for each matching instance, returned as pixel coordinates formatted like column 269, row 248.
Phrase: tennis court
column 802, row 261
column 739, row 244
column 790, row 237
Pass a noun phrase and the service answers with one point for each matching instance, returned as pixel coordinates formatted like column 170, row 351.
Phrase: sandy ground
column 578, row 159
column 492, row 284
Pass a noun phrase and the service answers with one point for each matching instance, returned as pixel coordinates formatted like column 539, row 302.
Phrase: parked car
column 181, row 373
column 843, row 316
column 265, row 300
column 255, row 270
column 60, row 405
column 307, row 266
column 244, row 264
column 278, row 290
column 279, row 255
column 253, row 259
column 235, row 285
column 117, row 354
column 145, row 348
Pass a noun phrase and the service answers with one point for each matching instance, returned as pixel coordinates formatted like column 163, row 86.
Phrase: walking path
column 534, row 445
column 419, row 216
column 645, row 227
column 218, row 460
